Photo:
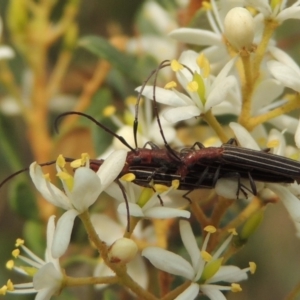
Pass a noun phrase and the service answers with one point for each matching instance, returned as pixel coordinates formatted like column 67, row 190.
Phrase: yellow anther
column 204, row 64
column 206, row 256
column 64, row 175
column 10, row 285
column 47, row 177
column 210, row 229
column 61, row 162
column 15, row 253
column 235, row 287
column 273, row 143
column 131, row 100
column 252, row 266
column 192, row 86
column 84, row 158
column 175, row 184
column 206, row 5
column 232, row 231
column 211, row 141
column 10, row 264
column 3, row 290
column 76, row 163
column 170, row 85
column 129, row 177
column 160, row 188
column 176, row 65
column 109, row 111
column 19, row 242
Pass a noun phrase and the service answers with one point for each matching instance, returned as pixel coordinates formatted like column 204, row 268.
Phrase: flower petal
column 63, row 232
column 134, row 210
column 243, row 136
column 196, row 36
column 111, row 167
column 212, row 292
column 164, row 96
column 177, row 114
column 220, row 92
column 49, row 191
column 289, row 13
column 290, row 201
column 190, row 293
column 285, row 122
column 101, row 222
column 285, row 74
column 161, row 212
column 169, row 262
column 47, row 277
column 86, row 190
column 229, row 274
column 189, row 241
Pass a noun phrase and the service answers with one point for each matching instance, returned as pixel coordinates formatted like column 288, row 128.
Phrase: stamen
column 75, row 164
column 10, row 285
column 129, row 177
column 170, row 85
column 61, row 162
column 10, row 264
column 175, row 184
column 273, row 143
column 3, row 290
column 252, row 266
column 232, row 231
column 19, row 242
column 160, row 188
column 210, row 229
column 176, row 66
column 131, row 100
column 109, row 111
column 192, row 86
column 204, row 64
column 206, row 5
column 15, row 253
column 206, row 256
column 235, row 287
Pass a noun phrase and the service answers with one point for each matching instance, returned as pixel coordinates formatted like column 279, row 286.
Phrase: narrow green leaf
column 103, row 49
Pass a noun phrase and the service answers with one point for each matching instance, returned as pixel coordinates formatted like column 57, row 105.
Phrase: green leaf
column 103, row 49
column 23, row 200
column 35, row 237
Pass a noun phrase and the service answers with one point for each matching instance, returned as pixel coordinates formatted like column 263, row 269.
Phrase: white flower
column 80, row 192
column 277, row 12
column 290, row 201
column 135, row 268
column 143, row 203
column 204, row 269
column 47, row 275
column 204, row 91
column 147, row 129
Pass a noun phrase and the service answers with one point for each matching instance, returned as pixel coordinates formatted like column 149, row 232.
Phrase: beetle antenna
column 120, row 138
column 162, row 65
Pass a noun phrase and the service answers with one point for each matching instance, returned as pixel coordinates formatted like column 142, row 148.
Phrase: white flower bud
column 122, row 250
column 239, row 28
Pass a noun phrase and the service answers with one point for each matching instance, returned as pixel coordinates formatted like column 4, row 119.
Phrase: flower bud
column 122, row 250
column 239, row 28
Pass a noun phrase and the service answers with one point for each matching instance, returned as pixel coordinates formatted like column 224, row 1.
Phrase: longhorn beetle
column 229, row 160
